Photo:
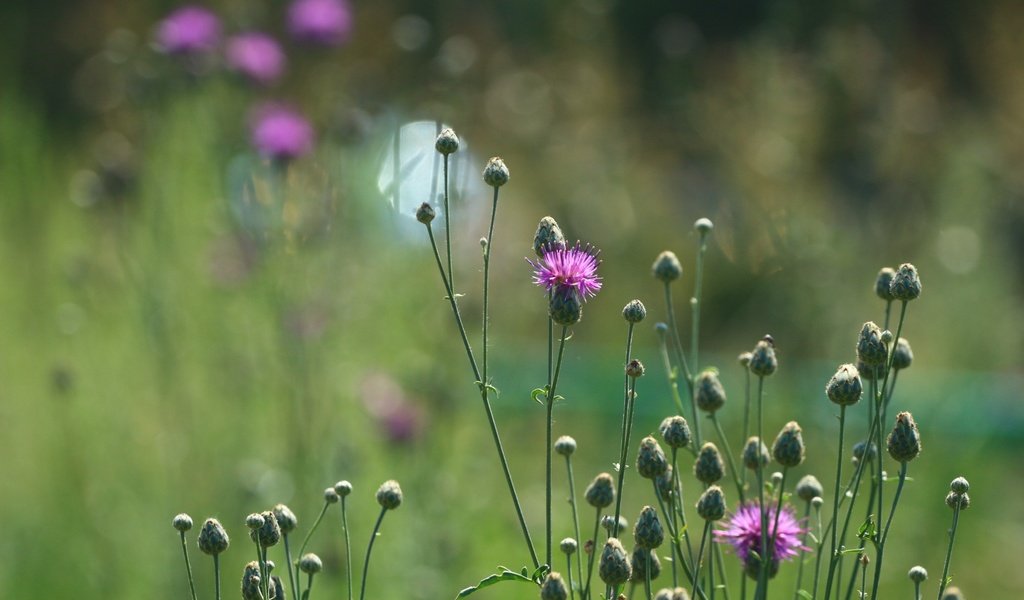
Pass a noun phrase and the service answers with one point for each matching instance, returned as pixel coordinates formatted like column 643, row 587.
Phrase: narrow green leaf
column 805, row 594
column 503, row 574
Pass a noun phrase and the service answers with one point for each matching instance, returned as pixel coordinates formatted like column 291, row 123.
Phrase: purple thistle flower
column 188, row 30
column 743, row 532
column 255, row 55
column 326, row 22
column 571, row 269
column 280, row 133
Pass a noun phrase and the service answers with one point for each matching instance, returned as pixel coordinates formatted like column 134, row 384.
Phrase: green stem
column 487, row 271
column 695, row 305
column 216, row 575
column 917, row 591
column 448, row 227
column 728, row 455
column 673, row 377
column 674, row 534
column 681, row 358
column 671, row 519
column 885, row 532
column 288, row 562
column 309, row 587
column 763, row 570
column 746, row 424
column 265, row 570
column 700, row 556
column 622, row 457
column 720, row 565
column 348, row 547
column 188, row 566
column 568, row 575
column 550, row 402
column 835, row 499
column 647, row 575
column 949, row 550
column 803, row 544
column 575, row 514
column 369, row 549
column 593, row 553
column 302, row 548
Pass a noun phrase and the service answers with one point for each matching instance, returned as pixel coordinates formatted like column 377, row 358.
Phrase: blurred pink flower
column 281, row 133
column 327, row 22
column 257, row 56
column 188, row 30
column 398, row 418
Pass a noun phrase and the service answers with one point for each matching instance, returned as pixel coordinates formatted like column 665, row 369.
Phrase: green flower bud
column 665, row 483
column 634, row 311
column 635, row 369
column 389, row 495
column 763, row 361
column 709, row 468
column 650, row 459
column 870, row 349
column 675, row 431
column 845, row 388
column 710, row 395
column 343, row 488
column 865, row 450
column 666, row 267
column 331, row 496
column 904, row 442
column 906, row 284
column 744, row 359
column 902, row 355
column 648, row 533
column 182, row 522
column 953, row 499
column 809, row 488
column 917, row 574
column 269, row 533
column 817, row 502
column 614, row 567
column 711, row 504
column 286, row 519
column 601, row 491
column 639, row 563
column 565, row 308
column 310, row 564
column 883, row 282
column 568, row 546
column 548, row 237
column 565, row 445
column 277, row 587
column 608, row 523
column 959, row 485
column 425, row 213
column 755, row 454
column 254, row 521
column 213, row 539
column 952, row 593
column 447, row 142
column 495, row 172
column 251, row 582
column 703, row 226
column 788, row 449
column 553, row 588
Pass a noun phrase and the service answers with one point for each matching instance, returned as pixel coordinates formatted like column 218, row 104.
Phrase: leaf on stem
column 505, row 574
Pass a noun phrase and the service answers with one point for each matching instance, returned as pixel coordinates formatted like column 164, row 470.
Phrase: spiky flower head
column 870, row 349
column 553, row 587
column 570, row 269
column 568, row 546
column 634, row 369
column 906, row 283
column 447, row 142
column 755, row 454
column 601, row 491
column 904, row 442
column 953, row 593
column 565, row 308
column 286, row 519
column 710, row 395
column 269, row 533
column 648, row 532
column 634, row 311
column 845, row 388
column 675, row 431
column 711, row 504
column 763, row 361
column 182, row 522
column 639, row 560
column 959, row 485
column 871, row 372
column 902, row 355
column 254, row 521
column 565, row 445
column 809, row 488
column 548, row 237
column 251, row 582
column 958, row 500
column 331, row 496
column 703, row 226
column 495, row 172
column 788, row 449
column 389, row 495
column 743, row 533
column 310, row 564
column 865, row 450
column 608, row 523
column 665, row 483
column 882, row 283
column 213, row 539
column 666, row 267
column 650, row 459
column 709, row 468
column 917, row 574
column 425, row 213
column 614, row 567
column 343, row 488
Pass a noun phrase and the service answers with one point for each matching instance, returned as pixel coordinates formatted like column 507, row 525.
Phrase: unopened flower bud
column 640, row 559
column 634, row 311
column 788, row 449
column 213, row 539
column 648, row 532
column 886, row 337
column 709, row 468
column 952, row 593
column 665, row 483
column 568, row 546
column 917, row 574
column 495, row 172
column 817, row 502
column 635, row 369
column 548, row 237
column 251, row 582
column 650, row 459
column 182, row 522
column 709, row 395
column 809, row 488
column 675, row 431
column 845, row 388
column 254, row 521
column 565, row 445
column 755, row 454
column 871, row 372
column 331, row 496
column 601, row 491
column 906, row 283
column 904, row 442
column 776, row 479
column 666, row 267
column 565, row 308
column 870, row 349
column 286, row 519
column 553, row 587
column 661, row 328
column 711, row 504
column 310, row 564
column 269, row 533
column 447, row 142
column 883, row 282
column 902, row 355
column 959, row 485
column 865, row 450
column 763, row 361
column 609, row 524
column 389, row 495
column 343, row 488
column 703, row 226
column 614, row 567
column 744, row 359
column 425, row 213
column 954, row 500
column 277, row 588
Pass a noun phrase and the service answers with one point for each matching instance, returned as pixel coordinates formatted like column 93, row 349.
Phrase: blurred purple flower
column 280, row 133
column 743, row 532
column 568, row 269
column 188, row 30
column 327, row 22
column 257, row 56
column 397, row 416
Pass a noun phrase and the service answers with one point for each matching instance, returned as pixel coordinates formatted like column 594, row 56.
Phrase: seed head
column 809, row 488
column 710, row 395
column 634, row 311
column 601, row 491
column 788, row 449
column 553, row 588
column 568, row 546
column 870, row 349
column 755, row 454
column 635, row 369
column 182, row 522
column 650, row 459
column 331, row 496
column 845, row 388
column 639, row 563
column 343, row 488
column 254, row 521
column 251, row 582
column 608, row 523
column 614, row 568
column 389, row 495
column 286, row 519
column 709, row 468
column 269, row 533
column 902, row 355
column 711, row 504
column 565, row 308
column 548, row 237
column 906, row 284
column 648, row 533
column 953, row 593
column 703, row 226
column 425, row 213
column 447, row 142
column 959, row 485
column 904, row 442
column 675, row 431
column 954, row 500
column 883, row 282
column 917, row 574
column 565, row 445
column 495, row 172
column 310, row 564
column 763, row 361
column 213, row 539
column 666, row 267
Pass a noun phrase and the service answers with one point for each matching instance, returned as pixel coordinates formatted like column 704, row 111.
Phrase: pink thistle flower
column 325, row 22
column 188, row 30
column 280, row 133
column 743, row 532
column 571, row 269
column 257, row 56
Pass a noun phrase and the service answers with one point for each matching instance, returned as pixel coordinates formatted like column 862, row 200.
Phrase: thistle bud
column 809, row 488
column 763, row 361
column 917, row 574
column 959, row 485
column 609, row 524
column 661, row 328
column 614, row 568
column 788, row 449
column 648, row 532
column 254, row 521
column 680, row 594
column 904, row 442
column 639, row 562
column 752, row 565
column 865, row 450
column 343, row 488
column 565, row 445
column 953, row 593
column 251, row 582
column 553, row 587
column 870, row 349
column 871, row 372
column 565, row 308
column 709, row 468
column 886, row 337
column 650, row 459
column 902, row 355
column 817, row 502
column 601, row 491
column 663, row 594
column 425, row 213
column 634, row 311
column 182, row 522
column 666, row 267
column 269, row 533
column 286, row 519
column 548, row 237
column 310, row 564
column 709, row 395
column 568, row 546
column 447, row 142
column 845, row 388
column 744, row 359
column 331, row 496
column 635, row 369
column 906, row 284
column 703, row 226
column 213, row 539
column 711, row 504
column 278, row 588
column 665, row 483
column 755, row 454
column 675, row 431
column 882, row 283
column 495, row 172
column 776, row 479
column 956, row 500
column 389, row 495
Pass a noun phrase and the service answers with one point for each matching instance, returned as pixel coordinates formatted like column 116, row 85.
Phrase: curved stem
column 622, row 458
column 949, row 550
column 288, row 562
column 575, row 514
column 550, row 402
column 673, row 377
column 728, row 455
column 369, row 549
column 885, row 532
column 568, row 575
column 305, row 541
column 348, row 547
column 681, row 358
column 188, row 566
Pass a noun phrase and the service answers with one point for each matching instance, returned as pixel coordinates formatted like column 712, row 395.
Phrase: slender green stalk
column 265, row 571
column 487, row 272
column 720, row 565
column 864, row 577
column 674, row 535
column 369, row 549
column 188, row 566
column 803, row 543
column 711, row 573
column 746, row 422
column 627, row 425
column 778, row 511
column 288, row 561
column 885, row 532
column 575, row 513
column 698, row 285
column 671, row 519
column 550, row 404
column 448, row 227
column 348, row 547
column 917, row 591
column 681, row 358
column 216, row 576
column 888, row 309
column 302, row 548
column 673, row 377
column 728, row 456
column 700, row 556
column 835, row 499
column 309, row 587
column 647, row 575
column 949, row 551
column 763, row 571
column 593, row 553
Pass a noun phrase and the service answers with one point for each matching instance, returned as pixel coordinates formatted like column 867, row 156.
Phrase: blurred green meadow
column 185, row 327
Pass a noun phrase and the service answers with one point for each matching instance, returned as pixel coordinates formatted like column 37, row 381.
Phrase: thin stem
column 575, row 513
column 369, row 549
column 695, row 305
column 288, row 562
column 302, row 548
column 803, row 544
column 568, row 575
column 720, row 565
column 728, row 455
column 888, row 309
column 885, row 532
column 188, row 566
column 674, row 534
column 593, row 553
column 949, row 550
column 917, row 590
column 671, row 519
column 763, row 568
column 711, row 573
column 622, row 458
column 487, row 271
column 778, row 511
column 647, row 575
column 681, row 358
column 864, row 577
column 835, row 499
column 455, row 306
column 348, row 547
column 265, row 569
column 309, row 587
column 216, row 575
column 673, row 377
column 550, row 402
column 448, row 227
column 746, row 423
column 700, row 555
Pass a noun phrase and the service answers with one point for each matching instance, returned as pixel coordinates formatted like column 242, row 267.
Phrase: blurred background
column 196, row 319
